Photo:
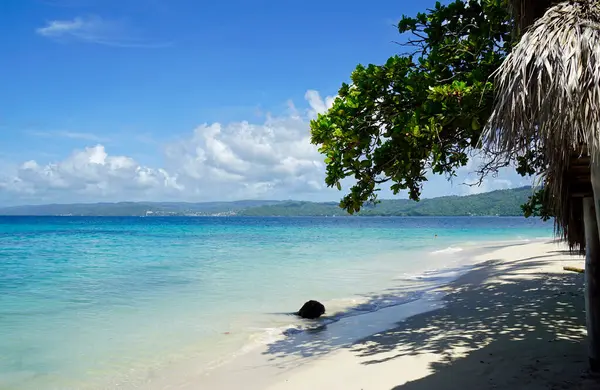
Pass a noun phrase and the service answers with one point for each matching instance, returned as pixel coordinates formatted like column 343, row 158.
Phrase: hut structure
column 548, row 99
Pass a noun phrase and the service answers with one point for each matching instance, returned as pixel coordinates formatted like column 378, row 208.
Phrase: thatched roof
column 548, row 97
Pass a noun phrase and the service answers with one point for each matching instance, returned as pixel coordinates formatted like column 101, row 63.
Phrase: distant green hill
column 502, row 203
column 136, row 208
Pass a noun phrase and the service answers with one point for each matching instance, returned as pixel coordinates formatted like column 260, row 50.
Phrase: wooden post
column 591, row 215
column 592, row 282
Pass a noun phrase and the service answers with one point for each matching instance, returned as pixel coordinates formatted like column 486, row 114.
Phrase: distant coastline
column 496, row 203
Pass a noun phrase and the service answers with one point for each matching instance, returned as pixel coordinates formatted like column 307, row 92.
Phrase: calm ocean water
column 95, row 302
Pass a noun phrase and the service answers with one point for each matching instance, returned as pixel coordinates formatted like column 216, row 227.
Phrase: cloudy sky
column 108, row 100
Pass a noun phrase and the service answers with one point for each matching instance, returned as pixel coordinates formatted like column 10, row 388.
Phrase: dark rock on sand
column 312, row 310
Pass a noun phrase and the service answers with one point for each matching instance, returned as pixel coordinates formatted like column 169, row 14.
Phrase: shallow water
column 86, row 302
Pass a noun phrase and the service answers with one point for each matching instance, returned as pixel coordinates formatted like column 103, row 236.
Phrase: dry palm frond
column 548, row 95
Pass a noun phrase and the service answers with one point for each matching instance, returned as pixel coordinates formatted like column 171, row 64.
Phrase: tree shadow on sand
column 487, row 313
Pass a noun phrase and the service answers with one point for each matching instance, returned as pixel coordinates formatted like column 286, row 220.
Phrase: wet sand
column 515, row 321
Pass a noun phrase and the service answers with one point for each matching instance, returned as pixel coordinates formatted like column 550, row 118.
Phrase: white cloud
column 94, row 29
column 215, row 161
column 467, row 181
column 489, row 185
column 90, row 29
column 250, row 160
column 90, row 173
column 69, row 134
column 318, row 105
column 240, row 160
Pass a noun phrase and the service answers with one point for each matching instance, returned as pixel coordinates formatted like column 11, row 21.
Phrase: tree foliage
column 537, row 205
column 420, row 112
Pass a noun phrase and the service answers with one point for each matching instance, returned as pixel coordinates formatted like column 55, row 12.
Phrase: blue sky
column 179, row 99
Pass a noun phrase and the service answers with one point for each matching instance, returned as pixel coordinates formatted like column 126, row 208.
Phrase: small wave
column 270, row 335
column 426, row 295
column 450, row 249
column 342, row 309
column 433, row 279
column 436, row 279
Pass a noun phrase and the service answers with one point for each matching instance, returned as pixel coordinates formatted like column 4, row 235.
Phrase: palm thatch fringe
column 548, row 97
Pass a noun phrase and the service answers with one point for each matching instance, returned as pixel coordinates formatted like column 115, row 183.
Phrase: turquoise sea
column 91, row 303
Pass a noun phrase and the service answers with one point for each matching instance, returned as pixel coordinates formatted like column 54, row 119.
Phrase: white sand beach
column 516, row 321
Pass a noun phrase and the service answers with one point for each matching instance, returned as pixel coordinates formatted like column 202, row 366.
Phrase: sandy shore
column 516, row 321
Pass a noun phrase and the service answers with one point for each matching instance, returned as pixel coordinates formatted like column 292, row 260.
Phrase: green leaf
column 420, row 113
